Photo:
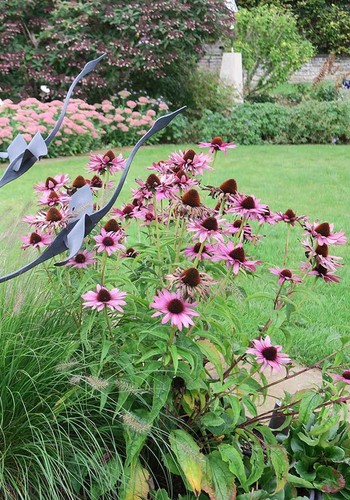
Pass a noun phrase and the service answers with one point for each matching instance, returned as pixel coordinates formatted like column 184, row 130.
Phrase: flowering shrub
column 85, row 126
column 159, row 296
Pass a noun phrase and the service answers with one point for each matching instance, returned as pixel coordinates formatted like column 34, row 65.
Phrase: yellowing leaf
column 138, row 487
column 188, row 457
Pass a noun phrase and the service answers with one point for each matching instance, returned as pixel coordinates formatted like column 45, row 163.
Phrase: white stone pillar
column 232, row 73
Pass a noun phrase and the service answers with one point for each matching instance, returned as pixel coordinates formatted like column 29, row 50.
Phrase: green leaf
column 308, row 440
column 174, row 357
column 309, row 402
column 211, row 419
column 256, row 463
column 303, row 471
column 279, row 460
column 188, row 456
column 211, row 352
column 298, row 481
column 234, row 459
column 218, row 481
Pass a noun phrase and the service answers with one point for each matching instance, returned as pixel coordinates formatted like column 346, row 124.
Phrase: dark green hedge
column 310, row 122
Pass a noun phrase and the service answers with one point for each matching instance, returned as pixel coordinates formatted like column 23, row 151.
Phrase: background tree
column 326, row 23
column 271, row 46
column 151, row 45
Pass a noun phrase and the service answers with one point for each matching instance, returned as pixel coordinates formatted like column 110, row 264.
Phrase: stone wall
column 310, row 70
column 213, row 54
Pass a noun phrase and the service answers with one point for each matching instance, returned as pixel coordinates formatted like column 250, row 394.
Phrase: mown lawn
column 313, row 180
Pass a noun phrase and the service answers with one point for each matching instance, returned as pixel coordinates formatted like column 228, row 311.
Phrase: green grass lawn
column 313, row 180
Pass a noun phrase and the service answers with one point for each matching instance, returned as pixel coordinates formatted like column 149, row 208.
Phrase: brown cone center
column 191, row 277
column 323, row 229
column 289, row 213
column 111, row 225
column 286, row 273
column 108, row 241
column 346, row 375
column 103, row 295
column 80, row 258
column 229, row 186
column 248, row 203
column 175, row 306
column 34, row 238
column 189, row 155
column 270, row 353
column 211, row 224
column 53, row 215
column 238, row 254
column 152, row 181
column 191, row 198
column 322, row 250
column 217, row 141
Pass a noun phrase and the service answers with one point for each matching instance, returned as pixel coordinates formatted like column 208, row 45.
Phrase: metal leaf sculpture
column 23, row 156
column 83, row 218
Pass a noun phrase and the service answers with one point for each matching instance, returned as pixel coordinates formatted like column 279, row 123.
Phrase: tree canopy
column 46, row 42
column 326, row 23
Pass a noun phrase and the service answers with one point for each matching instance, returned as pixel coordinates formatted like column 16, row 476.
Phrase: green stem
column 172, row 336
column 103, row 267
column 108, row 321
column 286, row 247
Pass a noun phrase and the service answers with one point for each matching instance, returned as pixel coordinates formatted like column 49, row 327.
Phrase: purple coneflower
column 189, row 205
column 217, row 144
column 126, row 212
column 321, row 256
column 289, row 217
column 35, row 240
column 190, row 282
column 344, row 377
column 52, row 198
column 53, row 183
column 192, row 252
column 248, row 207
column 234, row 256
column 113, row 299
column 322, row 272
column 50, row 220
column 323, row 233
column 246, row 231
column 211, row 227
column 81, row 260
column 108, row 241
column 285, row 275
column 268, row 354
column 108, row 161
column 174, row 308
column 190, row 161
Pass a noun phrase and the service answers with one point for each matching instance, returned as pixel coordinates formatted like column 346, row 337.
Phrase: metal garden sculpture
column 81, row 213
column 23, row 156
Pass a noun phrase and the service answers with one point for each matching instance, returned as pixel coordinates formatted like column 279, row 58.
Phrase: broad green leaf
column 161, row 495
column 279, row 460
column 234, row 459
column 211, row 419
column 161, row 389
column 324, row 426
column 218, row 481
column 211, row 352
column 256, row 463
column 303, row 471
column 309, row 402
column 308, row 440
column 188, row 456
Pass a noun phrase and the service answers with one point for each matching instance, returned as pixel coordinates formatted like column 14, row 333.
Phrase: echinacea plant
column 160, row 293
